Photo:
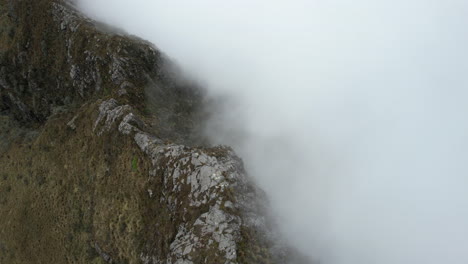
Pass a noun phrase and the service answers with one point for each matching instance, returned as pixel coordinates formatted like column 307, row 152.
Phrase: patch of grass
column 135, row 163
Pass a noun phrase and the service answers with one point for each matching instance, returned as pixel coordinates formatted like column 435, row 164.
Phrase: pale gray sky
column 353, row 113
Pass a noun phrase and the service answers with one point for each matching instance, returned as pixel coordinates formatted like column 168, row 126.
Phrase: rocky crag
column 100, row 161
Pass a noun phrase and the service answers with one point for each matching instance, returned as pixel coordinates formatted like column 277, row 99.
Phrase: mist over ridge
column 350, row 114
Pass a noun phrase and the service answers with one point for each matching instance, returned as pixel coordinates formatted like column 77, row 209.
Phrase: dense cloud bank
column 350, row 114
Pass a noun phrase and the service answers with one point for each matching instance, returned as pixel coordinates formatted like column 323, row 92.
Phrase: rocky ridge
column 101, row 162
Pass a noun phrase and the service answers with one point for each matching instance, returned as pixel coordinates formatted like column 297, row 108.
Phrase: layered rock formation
column 100, row 159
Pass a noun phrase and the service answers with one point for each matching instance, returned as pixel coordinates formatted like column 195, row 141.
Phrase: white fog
column 351, row 115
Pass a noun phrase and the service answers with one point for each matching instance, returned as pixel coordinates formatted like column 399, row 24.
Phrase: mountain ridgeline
column 100, row 156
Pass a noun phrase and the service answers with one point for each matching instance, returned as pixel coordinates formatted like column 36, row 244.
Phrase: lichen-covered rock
column 210, row 199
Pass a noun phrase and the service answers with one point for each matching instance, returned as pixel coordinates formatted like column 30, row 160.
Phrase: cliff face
column 98, row 153
column 53, row 58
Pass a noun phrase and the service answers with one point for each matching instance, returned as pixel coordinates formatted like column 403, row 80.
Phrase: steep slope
column 99, row 157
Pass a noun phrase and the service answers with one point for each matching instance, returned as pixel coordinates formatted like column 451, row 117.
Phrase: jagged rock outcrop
column 208, row 196
column 99, row 157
